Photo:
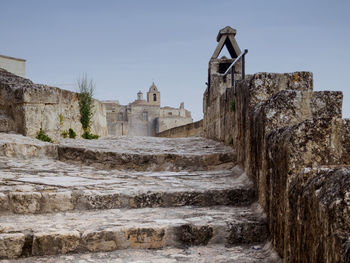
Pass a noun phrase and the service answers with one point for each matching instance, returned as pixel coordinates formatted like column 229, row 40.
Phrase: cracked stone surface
column 132, row 153
column 147, row 153
column 46, row 185
column 260, row 253
column 151, row 145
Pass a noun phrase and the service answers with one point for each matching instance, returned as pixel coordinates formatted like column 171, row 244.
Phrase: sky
column 126, row 45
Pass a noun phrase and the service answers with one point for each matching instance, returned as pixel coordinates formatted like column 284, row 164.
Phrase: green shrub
column 72, row 133
column 232, row 106
column 89, row 136
column 86, row 89
column 43, row 137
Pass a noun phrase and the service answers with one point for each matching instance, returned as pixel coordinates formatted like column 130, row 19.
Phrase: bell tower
column 153, row 95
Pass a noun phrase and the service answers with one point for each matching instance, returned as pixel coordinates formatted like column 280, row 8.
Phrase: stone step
column 131, row 153
column 260, row 253
column 18, row 146
column 147, row 153
column 47, row 185
column 144, row 228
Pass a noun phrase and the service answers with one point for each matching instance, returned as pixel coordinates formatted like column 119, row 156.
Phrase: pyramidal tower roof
column 153, row 88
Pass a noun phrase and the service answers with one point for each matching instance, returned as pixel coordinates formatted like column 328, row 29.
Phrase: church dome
column 153, row 88
column 139, row 95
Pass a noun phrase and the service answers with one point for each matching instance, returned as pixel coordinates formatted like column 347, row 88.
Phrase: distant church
column 144, row 118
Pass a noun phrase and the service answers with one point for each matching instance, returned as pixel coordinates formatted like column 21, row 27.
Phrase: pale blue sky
column 125, row 45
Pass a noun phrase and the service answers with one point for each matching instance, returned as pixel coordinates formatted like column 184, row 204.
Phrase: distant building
column 144, row 117
column 16, row 66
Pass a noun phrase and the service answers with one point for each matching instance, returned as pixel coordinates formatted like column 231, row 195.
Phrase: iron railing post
column 243, row 63
column 231, row 68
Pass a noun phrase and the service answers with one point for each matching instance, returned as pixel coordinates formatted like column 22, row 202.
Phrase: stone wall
column 14, row 65
column 170, row 122
column 26, row 107
column 143, row 120
column 194, row 129
column 290, row 140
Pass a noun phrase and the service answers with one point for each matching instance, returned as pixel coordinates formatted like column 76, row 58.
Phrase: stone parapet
column 26, row 107
column 279, row 127
column 194, row 129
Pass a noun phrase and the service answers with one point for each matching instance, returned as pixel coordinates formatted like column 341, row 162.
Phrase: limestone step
column 143, row 228
column 147, row 153
column 260, row 253
column 132, row 153
column 47, row 185
column 15, row 145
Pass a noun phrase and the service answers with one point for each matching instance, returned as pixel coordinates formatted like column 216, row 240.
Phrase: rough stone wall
column 322, row 196
column 26, row 107
column 194, row 129
column 280, row 128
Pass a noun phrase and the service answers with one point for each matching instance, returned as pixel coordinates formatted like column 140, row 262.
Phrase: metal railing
column 232, row 69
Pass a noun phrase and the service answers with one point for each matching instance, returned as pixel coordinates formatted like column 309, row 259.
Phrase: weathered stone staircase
column 114, row 200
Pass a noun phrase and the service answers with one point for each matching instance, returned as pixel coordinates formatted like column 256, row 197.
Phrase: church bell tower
column 153, row 95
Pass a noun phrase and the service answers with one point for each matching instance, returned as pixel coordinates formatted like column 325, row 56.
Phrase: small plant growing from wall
column 64, row 134
column 70, row 133
column 230, row 142
column 86, row 90
column 43, row 137
column 89, row 136
column 61, row 119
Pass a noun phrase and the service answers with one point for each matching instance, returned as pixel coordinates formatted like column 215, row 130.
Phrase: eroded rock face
column 11, row 245
column 146, row 237
column 321, row 195
column 60, row 242
column 25, row 203
column 309, row 144
column 190, row 235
